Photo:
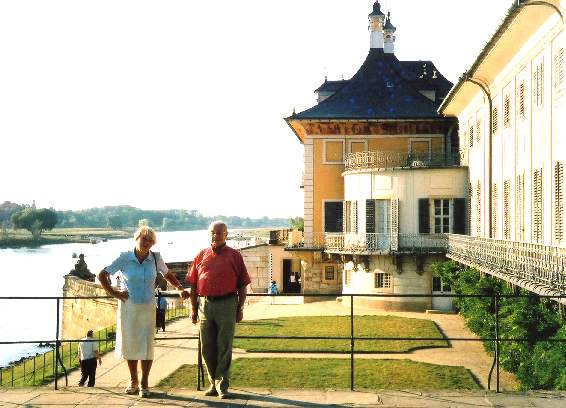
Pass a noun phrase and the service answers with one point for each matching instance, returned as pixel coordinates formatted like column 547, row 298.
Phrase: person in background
column 218, row 282
column 135, row 327
column 160, row 309
column 88, row 355
column 272, row 290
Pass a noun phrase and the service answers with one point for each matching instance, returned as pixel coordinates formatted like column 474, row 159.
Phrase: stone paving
column 113, row 397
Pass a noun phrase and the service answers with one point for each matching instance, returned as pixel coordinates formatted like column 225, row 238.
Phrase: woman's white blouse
column 138, row 278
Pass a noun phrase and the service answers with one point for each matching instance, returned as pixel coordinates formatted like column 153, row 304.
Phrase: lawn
column 339, row 326
column 334, row 374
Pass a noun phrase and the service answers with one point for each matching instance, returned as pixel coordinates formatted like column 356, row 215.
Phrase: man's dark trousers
column 88, row 370
column 217, row 326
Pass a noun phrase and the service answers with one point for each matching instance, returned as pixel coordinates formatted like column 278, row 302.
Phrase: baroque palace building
column 383, row 183
column 511, row 109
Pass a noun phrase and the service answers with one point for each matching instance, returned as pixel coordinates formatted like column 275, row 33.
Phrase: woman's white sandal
column 144, row 393
column 132, row 389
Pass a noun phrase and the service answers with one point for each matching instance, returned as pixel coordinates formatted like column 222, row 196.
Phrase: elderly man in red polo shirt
column 218, row 279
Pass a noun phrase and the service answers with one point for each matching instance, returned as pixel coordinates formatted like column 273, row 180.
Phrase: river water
column 39, row 272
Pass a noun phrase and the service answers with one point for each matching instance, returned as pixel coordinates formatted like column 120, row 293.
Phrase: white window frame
column 386, row 280
column 421, row 139
column 364, row 141
column 433, row 216
column 324, row 142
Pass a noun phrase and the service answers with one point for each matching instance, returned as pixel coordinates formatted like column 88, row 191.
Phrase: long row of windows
column 537, row 98
column 537, row 206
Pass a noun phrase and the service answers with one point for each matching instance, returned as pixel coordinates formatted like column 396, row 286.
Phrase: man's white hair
column 215, row 223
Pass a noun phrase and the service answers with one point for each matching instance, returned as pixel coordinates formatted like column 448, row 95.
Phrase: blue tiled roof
column 330, row 86
column 383, row 88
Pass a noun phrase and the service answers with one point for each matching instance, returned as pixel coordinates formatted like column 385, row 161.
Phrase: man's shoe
column 211, row 392
column 224, row 395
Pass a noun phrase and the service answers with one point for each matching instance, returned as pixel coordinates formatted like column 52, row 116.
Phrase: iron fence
column 58, row 354
column 392, row 160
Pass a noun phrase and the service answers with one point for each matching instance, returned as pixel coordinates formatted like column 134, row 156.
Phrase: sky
column 180, row 104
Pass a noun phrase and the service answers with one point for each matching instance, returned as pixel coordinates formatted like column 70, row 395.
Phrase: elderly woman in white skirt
column 135, row 327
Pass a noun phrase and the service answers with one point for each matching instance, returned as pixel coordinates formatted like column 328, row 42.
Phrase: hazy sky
column 180, row 104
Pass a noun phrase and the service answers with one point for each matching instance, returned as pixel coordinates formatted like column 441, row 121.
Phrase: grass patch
column 334, row 374
column 39, row 370
column 338, row 326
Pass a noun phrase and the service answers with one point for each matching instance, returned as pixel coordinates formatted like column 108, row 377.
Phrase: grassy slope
column 339, row 326
column 334, row 374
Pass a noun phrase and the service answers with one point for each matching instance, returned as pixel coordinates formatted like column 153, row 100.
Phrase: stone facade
column 257, row 263
column 409, row 274
column 313, row 277
column 80, row 315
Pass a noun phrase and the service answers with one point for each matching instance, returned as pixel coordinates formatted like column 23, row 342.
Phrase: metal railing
column 313, row 240
column 373, row 160
column 46, row 367
column 497, row 339
column 381, row 243
column 536, row 267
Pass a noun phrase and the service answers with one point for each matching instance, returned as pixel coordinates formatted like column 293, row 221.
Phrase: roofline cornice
column 516, row 7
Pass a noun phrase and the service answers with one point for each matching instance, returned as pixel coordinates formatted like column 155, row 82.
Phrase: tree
column 297, row 223
column 35, row 220
column 7, row 209
column 115, row 221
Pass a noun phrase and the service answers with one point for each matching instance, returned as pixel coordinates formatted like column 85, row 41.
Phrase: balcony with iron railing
column 384, row 160
column 372, row 243
column 385, row 243
column 535, row 267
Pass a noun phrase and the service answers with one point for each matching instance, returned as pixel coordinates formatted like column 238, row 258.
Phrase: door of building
column 287, row 284
column 441, row 288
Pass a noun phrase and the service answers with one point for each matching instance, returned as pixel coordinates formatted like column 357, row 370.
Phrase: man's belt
column 221, row 297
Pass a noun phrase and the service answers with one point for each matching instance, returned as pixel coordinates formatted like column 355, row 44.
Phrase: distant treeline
column 124, row 216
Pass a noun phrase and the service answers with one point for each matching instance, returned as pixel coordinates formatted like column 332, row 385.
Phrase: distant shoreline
column 20, row 239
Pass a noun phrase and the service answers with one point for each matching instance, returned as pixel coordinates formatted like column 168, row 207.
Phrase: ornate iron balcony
column 310, row 241
column 373, row 243
column 395, row 160
column 536, row 267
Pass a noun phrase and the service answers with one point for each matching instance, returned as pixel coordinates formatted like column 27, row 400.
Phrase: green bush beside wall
column 538, row 364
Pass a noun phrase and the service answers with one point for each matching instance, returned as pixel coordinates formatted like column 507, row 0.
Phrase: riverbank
column 21, row 238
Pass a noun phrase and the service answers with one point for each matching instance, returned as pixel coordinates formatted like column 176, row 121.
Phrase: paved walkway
column 113, row 397
column 170, row 354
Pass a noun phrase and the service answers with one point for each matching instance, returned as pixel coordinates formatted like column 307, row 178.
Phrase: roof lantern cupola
column 376, row 22
column 388, row 36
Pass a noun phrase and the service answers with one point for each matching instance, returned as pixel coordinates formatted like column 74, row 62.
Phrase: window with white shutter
column 537, row 206
column 494, row 203
column 559, row 202
column 506, row 213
